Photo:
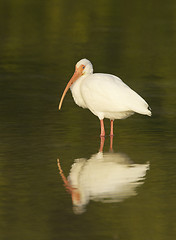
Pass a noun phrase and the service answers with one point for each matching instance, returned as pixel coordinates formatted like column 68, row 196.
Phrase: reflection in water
column 105, row 177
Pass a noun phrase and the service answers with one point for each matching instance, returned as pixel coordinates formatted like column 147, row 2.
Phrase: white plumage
column 105, row 177
column 105, row 95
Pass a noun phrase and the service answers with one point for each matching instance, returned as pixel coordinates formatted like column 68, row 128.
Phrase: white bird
column 105, row 177
column 105, row 95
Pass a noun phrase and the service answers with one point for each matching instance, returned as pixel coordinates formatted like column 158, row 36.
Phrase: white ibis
column 105, row 177
column 105, row 95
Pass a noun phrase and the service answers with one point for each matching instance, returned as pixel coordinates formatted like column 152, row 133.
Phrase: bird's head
column 83, row 67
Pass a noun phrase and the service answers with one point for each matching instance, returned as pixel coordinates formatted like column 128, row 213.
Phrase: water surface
column 40, row 42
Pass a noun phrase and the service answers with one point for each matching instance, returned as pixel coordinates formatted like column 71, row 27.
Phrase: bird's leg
column 111, row 132
column 102, row 128
column 111, row 144
column 102, row 144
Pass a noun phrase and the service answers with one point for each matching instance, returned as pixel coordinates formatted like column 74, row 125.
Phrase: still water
column 125, row 190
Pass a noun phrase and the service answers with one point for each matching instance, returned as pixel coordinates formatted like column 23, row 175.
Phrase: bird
column 105, row 95
column 106, row 177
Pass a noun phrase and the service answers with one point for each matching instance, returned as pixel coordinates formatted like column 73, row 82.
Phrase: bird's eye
column 83, row 67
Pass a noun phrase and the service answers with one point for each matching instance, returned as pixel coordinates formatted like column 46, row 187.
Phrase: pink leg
column 111, row 144
column 102, row 128
column 102, row 144
column 111, row 133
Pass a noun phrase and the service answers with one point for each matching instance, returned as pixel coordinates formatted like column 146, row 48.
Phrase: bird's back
column 108, row 93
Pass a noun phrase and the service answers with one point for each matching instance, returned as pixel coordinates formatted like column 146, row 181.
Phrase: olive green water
column 40, row 42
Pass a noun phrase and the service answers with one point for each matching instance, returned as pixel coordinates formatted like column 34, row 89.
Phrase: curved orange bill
column 75, row 76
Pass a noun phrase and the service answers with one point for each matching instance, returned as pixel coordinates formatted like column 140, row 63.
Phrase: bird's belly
column 117, row 115
column 112, row 115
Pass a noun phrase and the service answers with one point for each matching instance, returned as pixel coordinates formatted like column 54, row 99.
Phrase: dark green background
column 40, row 42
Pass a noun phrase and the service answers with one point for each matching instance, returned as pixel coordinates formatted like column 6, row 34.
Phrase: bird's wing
column 108, row 93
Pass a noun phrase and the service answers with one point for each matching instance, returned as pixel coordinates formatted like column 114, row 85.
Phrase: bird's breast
column 77, row 94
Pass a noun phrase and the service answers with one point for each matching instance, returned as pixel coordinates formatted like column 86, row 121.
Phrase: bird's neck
column 76, row 91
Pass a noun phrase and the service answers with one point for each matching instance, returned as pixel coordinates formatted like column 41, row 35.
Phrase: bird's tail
column 146, row 111
column 149, row 111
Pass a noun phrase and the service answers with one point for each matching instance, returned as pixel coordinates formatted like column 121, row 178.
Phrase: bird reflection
column 106, row 177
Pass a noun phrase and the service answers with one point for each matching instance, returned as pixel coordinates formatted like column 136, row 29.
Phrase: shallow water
column 40, row 42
